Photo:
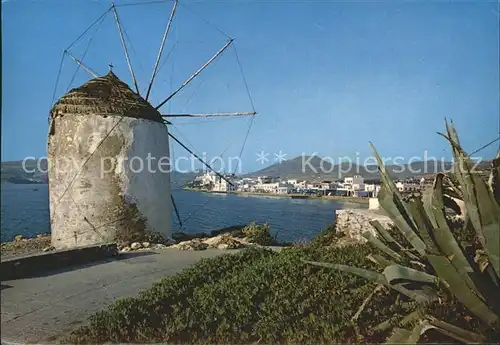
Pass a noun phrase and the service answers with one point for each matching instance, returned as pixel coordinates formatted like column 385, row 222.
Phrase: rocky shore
column 21, row 246
column 349, row 226
column 234, row 237
column 225, row 241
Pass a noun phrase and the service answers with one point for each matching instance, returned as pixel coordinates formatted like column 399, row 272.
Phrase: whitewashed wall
column 92, row 208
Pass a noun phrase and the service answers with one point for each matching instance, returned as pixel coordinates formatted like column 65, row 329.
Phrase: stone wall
column 353, row 222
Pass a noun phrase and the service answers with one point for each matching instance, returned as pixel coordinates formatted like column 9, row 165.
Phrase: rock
column 354, row 222
column 48, row 249
column 213, row 241
column 346, row 241
column 231, row 245
column 125, row 249
column 244, row 241
column 123, row 244
column 18, row 237
column 224, row 242
column 194, row 244
column 159, row 246
column 40, row 235
column 146, row 244
column 135, row 246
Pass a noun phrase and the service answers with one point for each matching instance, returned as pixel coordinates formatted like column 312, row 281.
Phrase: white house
column 407, row 186
column 284, row 188
column 325, row 185
column 267, row 179
column 264, row 187
column 222, row 185
column 209, row 178
column 275, row 187
column 301, row 185
column 373, row 189
column 246, row 185
column 354, row 183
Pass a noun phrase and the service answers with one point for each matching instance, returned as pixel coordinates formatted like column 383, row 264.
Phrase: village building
column 372, row 189
column 354, row 183
column 404, row 186
column 224, row 185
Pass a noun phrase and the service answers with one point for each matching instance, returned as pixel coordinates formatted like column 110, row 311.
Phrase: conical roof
column 106, row 96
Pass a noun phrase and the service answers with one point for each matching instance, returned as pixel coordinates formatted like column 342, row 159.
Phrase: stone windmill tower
column 101, row 135
column 108, row 198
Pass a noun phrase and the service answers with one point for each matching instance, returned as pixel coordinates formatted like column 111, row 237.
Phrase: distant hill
column 178, row 179
column 317, row 168
column 13, row 172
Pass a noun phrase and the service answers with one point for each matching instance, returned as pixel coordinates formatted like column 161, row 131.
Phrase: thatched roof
column 105, row 96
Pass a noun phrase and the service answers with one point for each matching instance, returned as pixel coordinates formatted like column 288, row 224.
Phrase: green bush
column 241, row 298
column 326, row 237
column 258, row 234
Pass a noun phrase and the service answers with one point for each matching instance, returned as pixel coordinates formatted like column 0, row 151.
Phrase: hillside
column 13, row 172
column 317, row 169
column 321, row 169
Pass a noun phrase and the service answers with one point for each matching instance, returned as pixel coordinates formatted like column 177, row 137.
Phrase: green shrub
column 258, row 234
column 326, row 237
column 241, row 298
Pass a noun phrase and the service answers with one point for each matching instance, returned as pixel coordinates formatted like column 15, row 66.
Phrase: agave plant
column 433, row 257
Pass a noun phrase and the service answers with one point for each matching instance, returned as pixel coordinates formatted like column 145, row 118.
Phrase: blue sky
column 325, row 77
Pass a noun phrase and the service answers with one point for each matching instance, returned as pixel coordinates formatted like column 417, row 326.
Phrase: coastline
column 351, row 199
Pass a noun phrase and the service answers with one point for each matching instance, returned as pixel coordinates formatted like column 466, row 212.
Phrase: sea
column 25, row 211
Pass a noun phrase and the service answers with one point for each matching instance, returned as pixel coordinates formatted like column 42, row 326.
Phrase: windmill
column 98, row 128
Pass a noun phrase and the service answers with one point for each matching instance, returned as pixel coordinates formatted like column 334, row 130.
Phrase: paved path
column 41, row 309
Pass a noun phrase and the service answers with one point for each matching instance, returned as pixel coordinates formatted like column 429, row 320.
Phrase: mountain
column 33, row 172
column 14, row 172
column 310, row 167
column 178, row 179
column 317, row 168
column 303, row 167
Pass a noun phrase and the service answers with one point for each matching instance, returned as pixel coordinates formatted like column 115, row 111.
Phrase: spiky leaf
column 455, row 332
column 482, row 207
column 380, row 245
column 444, row 237
column 388, row 203
column 399, row 336
column 422, row 295
column 397, row 272
column 456, row 284
column 380, row 260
